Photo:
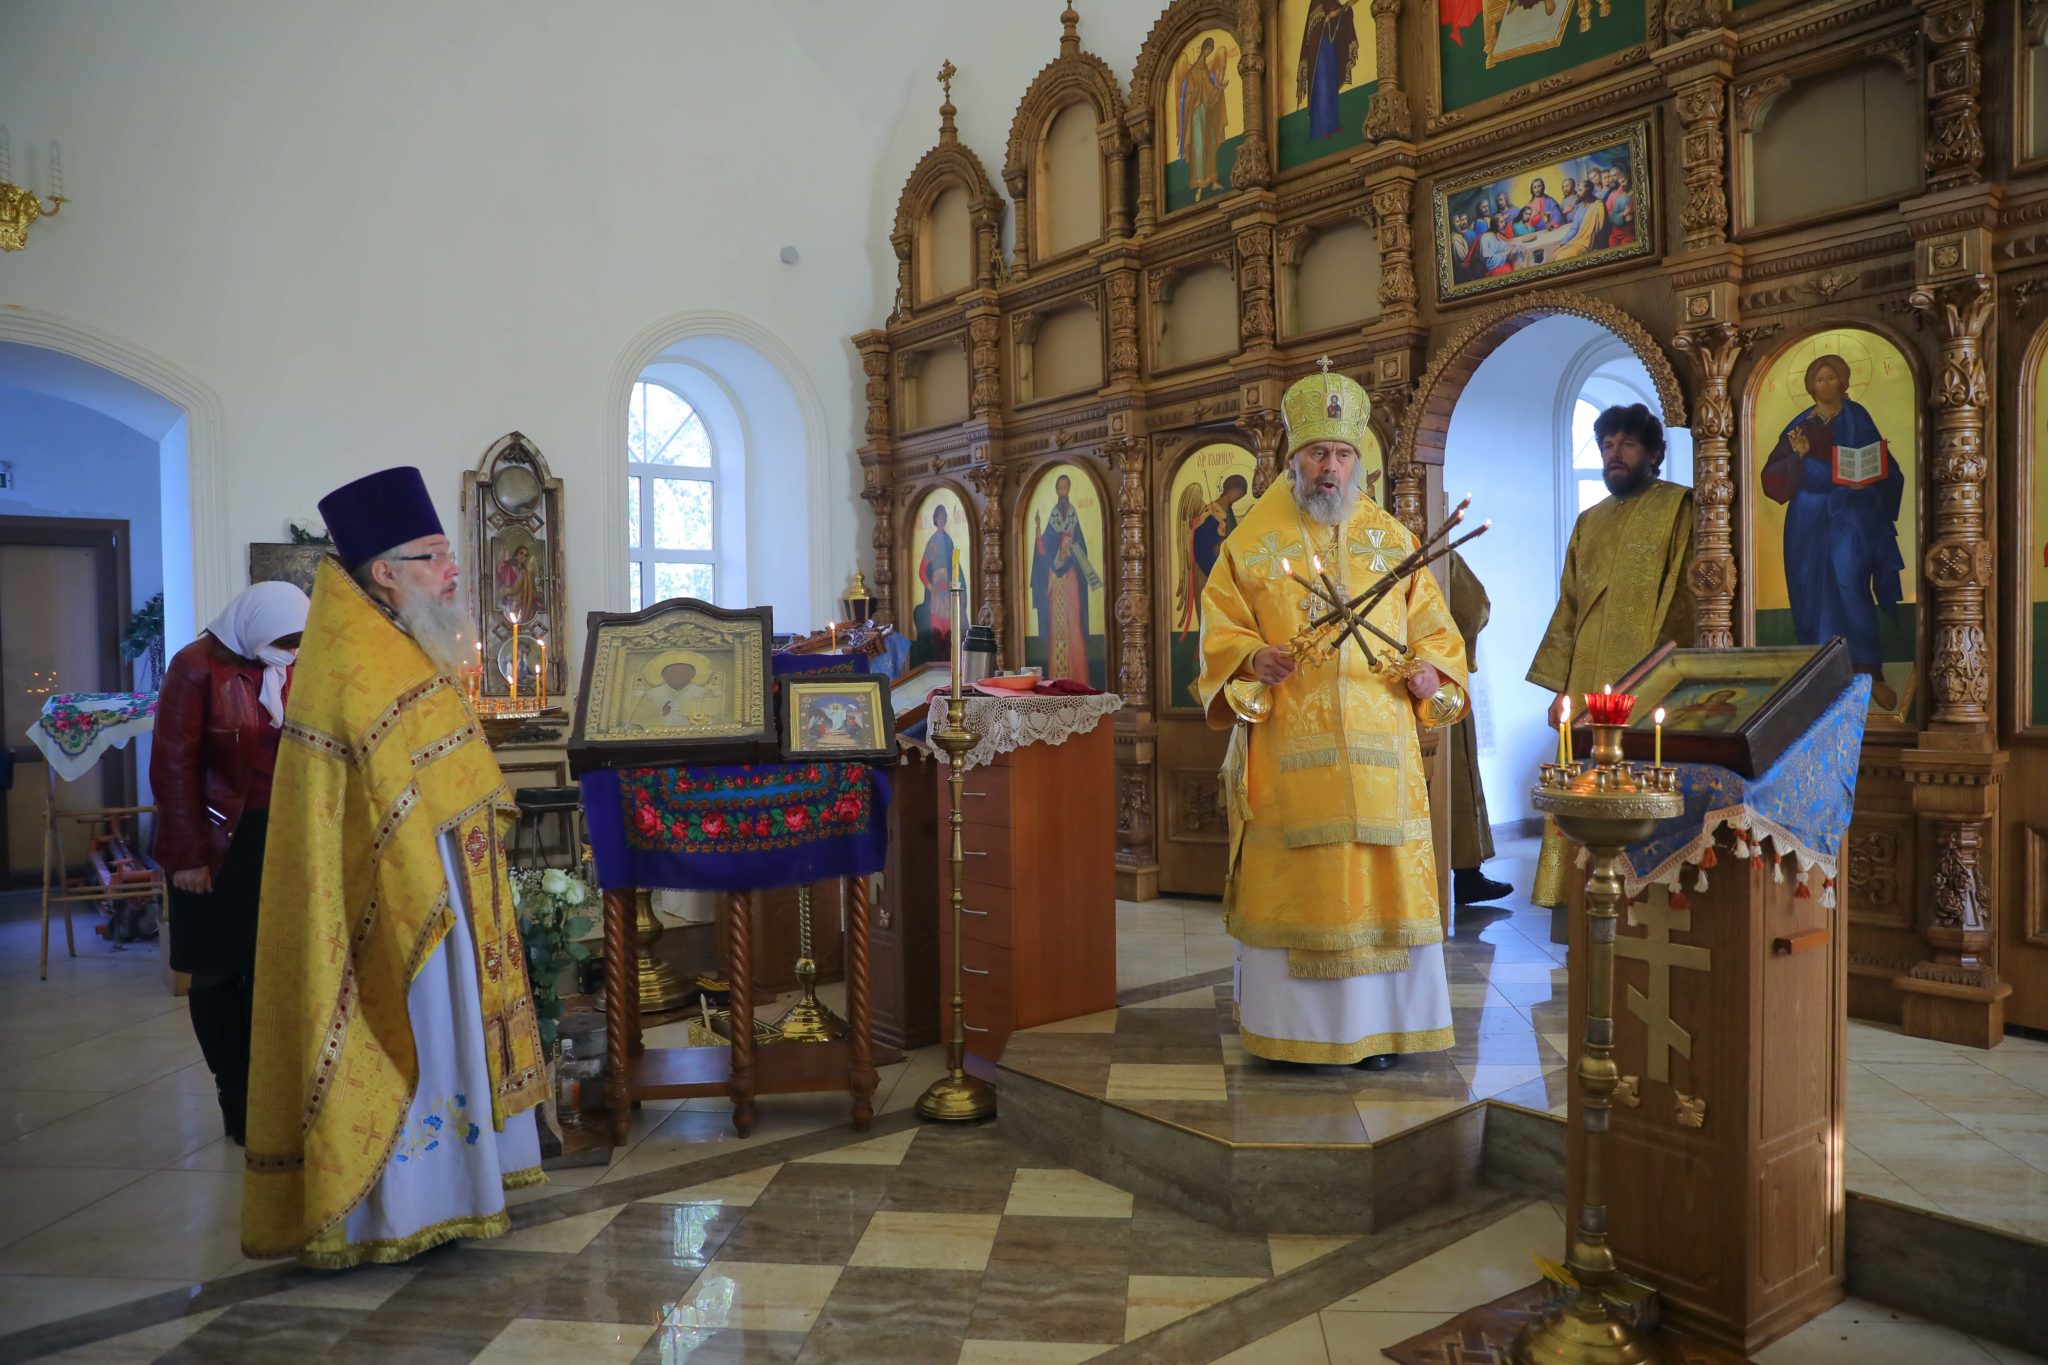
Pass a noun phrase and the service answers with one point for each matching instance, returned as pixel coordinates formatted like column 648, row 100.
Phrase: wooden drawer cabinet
column 1038, row 912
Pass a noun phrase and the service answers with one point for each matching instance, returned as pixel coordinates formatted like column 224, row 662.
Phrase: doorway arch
column 1427, row 422
column 211, row 551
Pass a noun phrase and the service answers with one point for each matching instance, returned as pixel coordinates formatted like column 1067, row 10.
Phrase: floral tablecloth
column 736, row 828
column 75, row 728
column 1801, row 804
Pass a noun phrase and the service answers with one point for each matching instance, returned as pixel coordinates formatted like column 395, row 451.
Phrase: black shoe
column 1470, row 886
column 1384, row 1061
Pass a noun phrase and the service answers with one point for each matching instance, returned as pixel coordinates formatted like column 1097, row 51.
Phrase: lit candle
column 513, row 617
column 1657, row 745
column 834, row 628
column 540, row 690
column 540, row 693
column 1564, row 726
column 957, row 609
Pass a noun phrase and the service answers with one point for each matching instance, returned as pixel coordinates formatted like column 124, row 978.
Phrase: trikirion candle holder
column 1607, row 805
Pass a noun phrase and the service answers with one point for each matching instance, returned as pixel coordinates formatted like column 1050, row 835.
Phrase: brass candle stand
column 957, row 1097
column 1607, row 806
column 808, row 1020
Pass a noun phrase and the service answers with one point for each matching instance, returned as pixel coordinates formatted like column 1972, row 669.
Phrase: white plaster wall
column 391, row 233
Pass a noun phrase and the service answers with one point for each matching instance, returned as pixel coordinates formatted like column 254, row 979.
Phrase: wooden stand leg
column 635, row 1045
column 618, row 957
column 862, row 1079
column 739, row 971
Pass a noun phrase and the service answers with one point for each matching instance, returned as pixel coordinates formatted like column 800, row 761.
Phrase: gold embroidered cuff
column 1445, row 706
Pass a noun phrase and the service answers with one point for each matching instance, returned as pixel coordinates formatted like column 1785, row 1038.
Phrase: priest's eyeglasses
column 437, row 557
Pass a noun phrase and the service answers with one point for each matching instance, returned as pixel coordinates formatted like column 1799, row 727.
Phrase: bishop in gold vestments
column 395, row 1063
column 1332, row 887
column 1624, row 590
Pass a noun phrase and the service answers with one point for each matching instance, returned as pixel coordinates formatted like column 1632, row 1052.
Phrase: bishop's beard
column 1328, row 509
column 435, row 626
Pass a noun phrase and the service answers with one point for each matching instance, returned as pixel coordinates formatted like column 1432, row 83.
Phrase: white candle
column 541, row 692
column 1657, row 745
column 957, row 609
column 56, row 171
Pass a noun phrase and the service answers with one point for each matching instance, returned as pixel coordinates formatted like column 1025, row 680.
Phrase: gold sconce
column 19, row 206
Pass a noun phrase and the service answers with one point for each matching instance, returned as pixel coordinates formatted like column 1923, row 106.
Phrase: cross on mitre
column 1324, row 364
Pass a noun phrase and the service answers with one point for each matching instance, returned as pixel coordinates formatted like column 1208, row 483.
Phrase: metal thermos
column 977, row 654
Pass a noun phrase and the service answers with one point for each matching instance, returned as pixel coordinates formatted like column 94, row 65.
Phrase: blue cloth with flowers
column 746, row 828
column 1802, row 802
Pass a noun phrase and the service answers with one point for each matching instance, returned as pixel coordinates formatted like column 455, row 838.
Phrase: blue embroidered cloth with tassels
column 1802, row 803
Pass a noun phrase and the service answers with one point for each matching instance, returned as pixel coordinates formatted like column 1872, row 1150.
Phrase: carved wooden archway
column 1428, row 419
column 1074, row 76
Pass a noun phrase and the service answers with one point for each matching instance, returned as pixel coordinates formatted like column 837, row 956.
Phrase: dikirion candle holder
column 1607, row 804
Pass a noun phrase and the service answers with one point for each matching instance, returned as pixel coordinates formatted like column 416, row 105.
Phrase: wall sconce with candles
column 20, row 206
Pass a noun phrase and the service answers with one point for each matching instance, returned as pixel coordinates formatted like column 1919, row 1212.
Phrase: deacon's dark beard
column 1624, row 484
column 1327, row 509
column 436, row 627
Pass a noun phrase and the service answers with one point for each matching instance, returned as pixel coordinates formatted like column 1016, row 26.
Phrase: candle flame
column 1285, row 567
column 1660, row 715
column 1317, row 560
column 1606, row 689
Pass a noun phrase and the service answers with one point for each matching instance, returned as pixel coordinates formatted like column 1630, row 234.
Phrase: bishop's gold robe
column 1624, row 592
column 381, row 762
column 1331, row 856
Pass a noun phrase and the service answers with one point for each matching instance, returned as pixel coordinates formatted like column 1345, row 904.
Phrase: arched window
column 671, row 500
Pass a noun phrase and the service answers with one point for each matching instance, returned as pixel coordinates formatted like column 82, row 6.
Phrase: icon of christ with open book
column 1842, row 491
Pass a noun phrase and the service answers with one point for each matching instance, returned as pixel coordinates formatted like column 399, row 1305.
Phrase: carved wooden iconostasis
column 1772, row 203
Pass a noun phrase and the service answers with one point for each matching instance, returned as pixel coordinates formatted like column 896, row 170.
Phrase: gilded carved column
column 1255, row 286
column 1134, row 595
column 984, row 330
column 1411, row 495
column 1713, row 351
column 901, row 241
column 1115, row 144
column 1254, row 168
column 878, row 497
column 1140, row 122
column 1955, row 74
column 1122, row 284
column 1703, row 154
column 1958, row 569
column 1391, row 201
column 874, row 363
column 1267, row 432
column 989, row 482
column 1387, row 117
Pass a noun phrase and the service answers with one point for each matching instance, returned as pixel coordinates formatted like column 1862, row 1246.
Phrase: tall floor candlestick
column 1607, row 808
column 957, row 1097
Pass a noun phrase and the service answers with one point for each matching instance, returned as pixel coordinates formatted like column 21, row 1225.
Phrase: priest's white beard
column 436, row 626
column 1328, row 509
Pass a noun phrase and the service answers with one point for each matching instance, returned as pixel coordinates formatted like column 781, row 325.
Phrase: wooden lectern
column 1724, row 1165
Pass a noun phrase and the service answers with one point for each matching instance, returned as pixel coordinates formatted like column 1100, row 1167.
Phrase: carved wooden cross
column 1657, row 950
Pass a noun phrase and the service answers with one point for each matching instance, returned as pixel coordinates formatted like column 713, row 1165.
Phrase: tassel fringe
column 1827, row 894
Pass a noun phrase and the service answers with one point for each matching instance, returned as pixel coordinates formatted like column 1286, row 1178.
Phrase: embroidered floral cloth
column 736, row 828
column 75, row 728
column 1801, row 804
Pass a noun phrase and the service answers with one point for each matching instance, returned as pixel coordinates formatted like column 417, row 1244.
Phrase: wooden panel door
column 63, row 603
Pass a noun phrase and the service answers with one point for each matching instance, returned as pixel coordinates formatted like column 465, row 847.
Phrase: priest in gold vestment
column 1624, row 590
column 1332, row 888
column 396, row 1062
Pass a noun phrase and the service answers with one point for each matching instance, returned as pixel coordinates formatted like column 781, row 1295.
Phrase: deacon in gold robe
column 396, row 1062
column 1331, row 892
column 1624, row 590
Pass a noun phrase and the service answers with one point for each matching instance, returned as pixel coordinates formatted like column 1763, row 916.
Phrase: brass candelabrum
column 1604, row 1318
column 957, row 1097
column 809, row 1020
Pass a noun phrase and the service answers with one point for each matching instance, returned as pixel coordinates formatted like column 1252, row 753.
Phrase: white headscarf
column 251, row 625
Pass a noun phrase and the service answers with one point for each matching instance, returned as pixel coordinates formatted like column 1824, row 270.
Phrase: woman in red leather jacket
column 219, row 716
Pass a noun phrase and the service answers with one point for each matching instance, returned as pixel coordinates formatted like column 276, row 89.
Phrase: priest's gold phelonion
column 1318, row 641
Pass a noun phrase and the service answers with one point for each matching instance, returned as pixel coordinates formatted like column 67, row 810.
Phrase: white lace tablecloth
column 1007, row 723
